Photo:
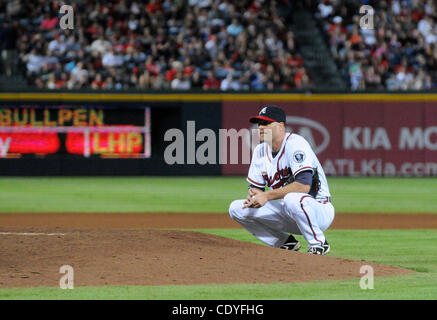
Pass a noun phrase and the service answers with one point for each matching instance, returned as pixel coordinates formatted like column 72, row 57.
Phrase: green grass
column 412, row 249
column 394, row 288
column 200, row 194
column 118, row 194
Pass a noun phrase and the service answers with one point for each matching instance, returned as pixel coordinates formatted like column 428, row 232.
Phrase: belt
column 324, row 200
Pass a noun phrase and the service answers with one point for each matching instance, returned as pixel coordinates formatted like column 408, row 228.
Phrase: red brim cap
column 256, row 118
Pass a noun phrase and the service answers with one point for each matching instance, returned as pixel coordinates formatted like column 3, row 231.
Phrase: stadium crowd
column 156, row 44
column 399, row 53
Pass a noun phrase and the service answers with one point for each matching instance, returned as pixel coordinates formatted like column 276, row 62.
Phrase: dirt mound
column 196, row 220
column 158, row 257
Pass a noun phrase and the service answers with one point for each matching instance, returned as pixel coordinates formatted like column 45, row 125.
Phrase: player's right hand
column 248, row 203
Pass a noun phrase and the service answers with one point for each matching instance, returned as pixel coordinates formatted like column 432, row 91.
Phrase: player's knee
column 236, row 209
column 292, row 202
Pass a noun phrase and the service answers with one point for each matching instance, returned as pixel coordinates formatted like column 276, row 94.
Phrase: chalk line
column 31, row 234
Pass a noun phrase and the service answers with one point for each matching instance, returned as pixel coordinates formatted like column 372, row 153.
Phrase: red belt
column 324, row 200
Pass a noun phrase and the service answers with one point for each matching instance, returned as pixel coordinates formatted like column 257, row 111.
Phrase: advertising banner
column 352, row 138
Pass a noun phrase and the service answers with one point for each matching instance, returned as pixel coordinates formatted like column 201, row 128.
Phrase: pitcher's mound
column 159, row 257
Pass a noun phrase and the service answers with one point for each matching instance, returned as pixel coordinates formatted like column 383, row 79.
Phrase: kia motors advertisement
column 351, row 138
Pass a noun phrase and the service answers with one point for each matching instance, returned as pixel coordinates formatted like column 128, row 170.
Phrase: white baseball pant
column 297, row 213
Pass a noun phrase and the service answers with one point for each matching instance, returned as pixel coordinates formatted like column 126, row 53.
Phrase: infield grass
column 412, row 249
column 200, row 194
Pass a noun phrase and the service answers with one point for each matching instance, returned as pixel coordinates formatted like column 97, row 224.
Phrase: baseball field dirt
column 196, row 220
column 132, row 249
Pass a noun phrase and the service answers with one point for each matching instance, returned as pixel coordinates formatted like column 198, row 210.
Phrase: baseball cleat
column 291, row 244
column 321, row 250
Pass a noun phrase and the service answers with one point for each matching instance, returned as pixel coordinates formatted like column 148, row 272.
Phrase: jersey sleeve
column 300, row 157
column 255, row 176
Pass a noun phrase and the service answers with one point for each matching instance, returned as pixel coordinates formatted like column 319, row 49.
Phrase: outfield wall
column 356, row 138
column 353, row 134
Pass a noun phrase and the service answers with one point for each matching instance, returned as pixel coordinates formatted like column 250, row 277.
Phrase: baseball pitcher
column 297, row 200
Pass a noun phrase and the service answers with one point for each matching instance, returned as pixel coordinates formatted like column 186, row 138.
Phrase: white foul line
column 31, row 234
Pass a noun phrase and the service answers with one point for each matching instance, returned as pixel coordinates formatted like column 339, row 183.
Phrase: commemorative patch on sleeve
column 299, row 156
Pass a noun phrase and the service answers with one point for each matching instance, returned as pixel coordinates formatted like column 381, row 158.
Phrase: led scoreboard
column 75, row 131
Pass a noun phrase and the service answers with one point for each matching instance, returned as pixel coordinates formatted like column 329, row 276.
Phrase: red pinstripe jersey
column 294, row 156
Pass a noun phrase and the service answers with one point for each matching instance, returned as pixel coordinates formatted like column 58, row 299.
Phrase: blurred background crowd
column 399, row 53
column 169, row 44
column 214, row 44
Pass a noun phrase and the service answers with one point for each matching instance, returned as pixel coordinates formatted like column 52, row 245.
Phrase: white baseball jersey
column 295, row 155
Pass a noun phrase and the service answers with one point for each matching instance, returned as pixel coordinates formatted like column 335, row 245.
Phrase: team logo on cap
column 263, row 111
column 299, row 156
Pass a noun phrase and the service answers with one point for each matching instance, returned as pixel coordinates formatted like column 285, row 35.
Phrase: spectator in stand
column 229, row 83
column 51, row 83
column 49, row 22
column 58, row 45
column 181, row 82
column 34, row 62
column 196, row 80
column 211, row 82
column 325, row 8
column 302, row 79
column 112, row 59
column 8, row 45
column 234, row 28
column 97, row 83
column 101, row 45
